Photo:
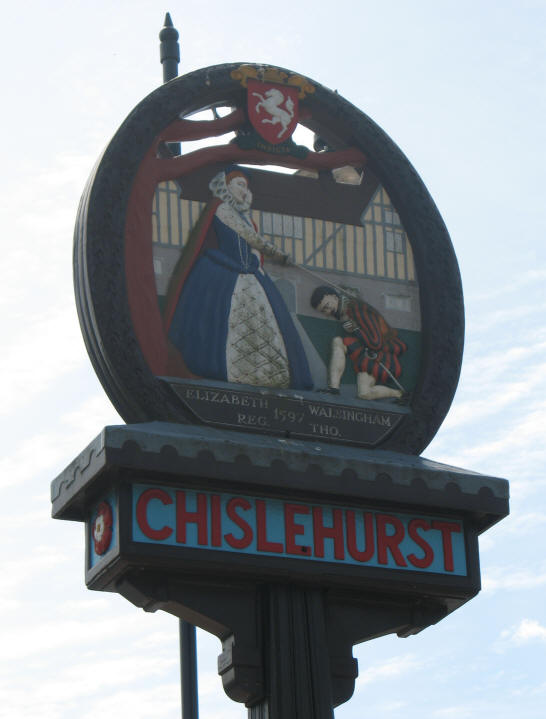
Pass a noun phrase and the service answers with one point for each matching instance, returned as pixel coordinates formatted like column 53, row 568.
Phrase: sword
column 322, row 280
column 396, row 382
column 373, row 356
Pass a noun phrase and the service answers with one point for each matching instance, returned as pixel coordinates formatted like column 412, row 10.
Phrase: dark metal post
column 297, row 665
column 188, row 671
column 169, row 49
column 169, row 55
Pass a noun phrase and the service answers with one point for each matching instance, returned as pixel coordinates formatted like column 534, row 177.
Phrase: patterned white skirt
column 256, row 353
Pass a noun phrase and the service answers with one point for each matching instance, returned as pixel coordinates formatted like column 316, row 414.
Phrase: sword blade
column 322, row 280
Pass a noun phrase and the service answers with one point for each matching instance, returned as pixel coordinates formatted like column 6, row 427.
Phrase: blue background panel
column 274, row 527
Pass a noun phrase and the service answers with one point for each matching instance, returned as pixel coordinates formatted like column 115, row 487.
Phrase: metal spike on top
column 169, row 49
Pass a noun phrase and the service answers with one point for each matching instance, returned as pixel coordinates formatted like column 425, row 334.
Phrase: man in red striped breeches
column 371, row 344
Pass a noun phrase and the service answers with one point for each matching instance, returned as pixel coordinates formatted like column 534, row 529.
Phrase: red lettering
column 199, row 517
column 263, row 544
column 446, row 528
column 291, row 529
column 142, row 513
column 334, row 532
column 355, row 553
column 428, row 557
column 389, row 542
column 215, row 521
column 248, row 534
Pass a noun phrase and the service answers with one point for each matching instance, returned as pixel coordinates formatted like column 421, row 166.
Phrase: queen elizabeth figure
column 224, row 315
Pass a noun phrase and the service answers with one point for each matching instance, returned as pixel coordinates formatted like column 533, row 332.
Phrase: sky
column 460, row 87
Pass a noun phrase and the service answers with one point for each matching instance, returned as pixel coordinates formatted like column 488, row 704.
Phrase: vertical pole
column 188, row 671
column 169, row 56
column 297, row 664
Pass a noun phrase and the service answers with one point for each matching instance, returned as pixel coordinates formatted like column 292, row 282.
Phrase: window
column 282, row 225
column 394, row 240
column 390, row 216
column 402, row 303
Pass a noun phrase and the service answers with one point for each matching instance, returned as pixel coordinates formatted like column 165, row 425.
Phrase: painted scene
column 270, row 263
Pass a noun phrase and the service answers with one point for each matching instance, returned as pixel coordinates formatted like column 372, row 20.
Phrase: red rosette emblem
column 102, row 528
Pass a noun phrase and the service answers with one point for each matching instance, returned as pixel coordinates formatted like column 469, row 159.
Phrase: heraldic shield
column 272, row 110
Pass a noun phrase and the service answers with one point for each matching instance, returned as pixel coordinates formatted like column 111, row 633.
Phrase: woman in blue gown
column 226, row 317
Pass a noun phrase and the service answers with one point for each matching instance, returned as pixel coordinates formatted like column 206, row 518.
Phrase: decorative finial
column 169, row 49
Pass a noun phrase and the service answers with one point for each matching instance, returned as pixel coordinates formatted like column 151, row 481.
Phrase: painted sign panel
column 302, row 530
column 276, row 301
column 285, row 301
column 302, row 283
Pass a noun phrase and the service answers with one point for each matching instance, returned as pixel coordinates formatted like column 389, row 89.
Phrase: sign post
column 283, row 346
column 169, row 55
column 289, row 552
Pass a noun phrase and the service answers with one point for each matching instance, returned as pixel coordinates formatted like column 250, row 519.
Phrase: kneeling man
column 372, row 345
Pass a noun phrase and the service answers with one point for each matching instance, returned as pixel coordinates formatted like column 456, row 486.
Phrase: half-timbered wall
column 377, row 249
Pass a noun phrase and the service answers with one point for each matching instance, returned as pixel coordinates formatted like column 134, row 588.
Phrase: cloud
column 389, row 669
column 464, row 711
column 45, row 637
column 523, row 523
column 460, row 711
column 79, row 679
column 16, row 572
column 517, row 283
column 49, row 347
column 37, row 302
column 528, row 630
column 514, row 528
column 505, row 441
column 141, row 701
column 488, row 362
column 513, row 578
column 137, row 703
column 52, row 449
column 500, row 400
column 476, row 408
column 35, row 519
column 506, row 315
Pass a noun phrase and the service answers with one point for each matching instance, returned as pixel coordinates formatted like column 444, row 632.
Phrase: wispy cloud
column 517, row 283
column 16, row 572
column 44, row 637
column 51, row 449
column 55, row 331
column 513, row 578
column 499, row 319
column 524, row 523
column 477, row 408
column 141, row 701
column 137, row 703
column 460, row 711
column 389, row 669
column 528, row 630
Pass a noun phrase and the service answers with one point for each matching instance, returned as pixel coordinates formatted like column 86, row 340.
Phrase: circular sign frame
column 103, row 282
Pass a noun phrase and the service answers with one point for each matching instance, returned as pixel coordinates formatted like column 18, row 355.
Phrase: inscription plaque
column 295, row 416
